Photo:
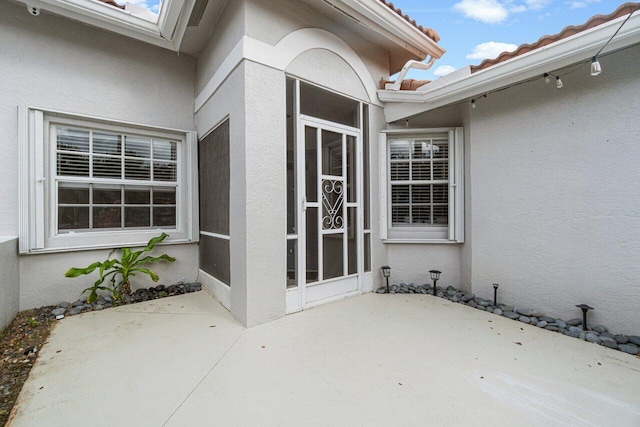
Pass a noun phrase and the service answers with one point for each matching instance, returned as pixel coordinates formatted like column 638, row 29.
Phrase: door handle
column 304, row 204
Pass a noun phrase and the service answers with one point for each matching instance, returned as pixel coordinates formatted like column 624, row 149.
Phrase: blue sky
column 471, row 30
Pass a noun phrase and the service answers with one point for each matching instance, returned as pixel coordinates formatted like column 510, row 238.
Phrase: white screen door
column 329, row 187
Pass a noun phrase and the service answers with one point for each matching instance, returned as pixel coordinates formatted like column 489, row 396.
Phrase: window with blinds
column 419, row 178
column 107, row 180
column 422, row 182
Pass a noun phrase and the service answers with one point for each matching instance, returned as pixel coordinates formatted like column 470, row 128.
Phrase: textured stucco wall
column 229, row 100
column 226, row 33
column 412, row 262
column 54, row 63
column 9, row 280
column 43, row 282
column 555, row 197
column 271, row 20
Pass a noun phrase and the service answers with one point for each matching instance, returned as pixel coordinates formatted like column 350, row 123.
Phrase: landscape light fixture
column 386, row 272
column 584, row 308
column 559, row 83
column 435, row 275
column 495, row 294
column 547, row 78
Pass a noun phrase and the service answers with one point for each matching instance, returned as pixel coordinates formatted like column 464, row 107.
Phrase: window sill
column 98, row 247
column 420, row 241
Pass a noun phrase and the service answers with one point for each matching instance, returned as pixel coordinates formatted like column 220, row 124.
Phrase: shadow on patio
column 369, row 360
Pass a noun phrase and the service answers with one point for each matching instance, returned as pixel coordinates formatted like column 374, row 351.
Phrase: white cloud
column 581, row 4
column 497, row 11
column 488, row 50
column 443, row 70
column 487, row 11
column 537, row 4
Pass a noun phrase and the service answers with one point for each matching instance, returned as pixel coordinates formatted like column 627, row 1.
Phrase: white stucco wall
column 411, row 263
column 9, row 280
column 555, row 199
column 54, row 63
column 270, row 21
column 253, row 95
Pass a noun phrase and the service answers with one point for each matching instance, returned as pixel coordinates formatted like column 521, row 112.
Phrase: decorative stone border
column 105, row 301
column 598, row 334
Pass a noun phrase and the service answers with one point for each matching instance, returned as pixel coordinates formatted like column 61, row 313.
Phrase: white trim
column 380, row 18
column 454, row 232
column 220, row 291
column 560, row 54
column 38, row 196
column 282, row 54
column 215, row 235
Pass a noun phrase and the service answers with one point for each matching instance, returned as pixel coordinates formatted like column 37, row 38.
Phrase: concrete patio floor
column 370, row 360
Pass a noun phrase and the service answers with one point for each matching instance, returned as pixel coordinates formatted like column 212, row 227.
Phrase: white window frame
column 454, row 232
column 38, row 198
column 166, row 29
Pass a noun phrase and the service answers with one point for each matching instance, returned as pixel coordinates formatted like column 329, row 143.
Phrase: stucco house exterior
column 261, row 136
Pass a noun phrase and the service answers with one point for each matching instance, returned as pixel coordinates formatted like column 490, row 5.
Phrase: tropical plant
column 126, row 267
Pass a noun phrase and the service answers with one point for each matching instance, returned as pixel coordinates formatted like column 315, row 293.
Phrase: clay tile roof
column 112, row 3
column 428, row 31
column 407, row 84
column 569, row 31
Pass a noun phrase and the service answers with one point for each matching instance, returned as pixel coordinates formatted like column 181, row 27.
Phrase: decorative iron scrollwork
column 332, row 199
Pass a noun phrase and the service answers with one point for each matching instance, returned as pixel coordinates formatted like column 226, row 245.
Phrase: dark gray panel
column 213, row 164
column 215, row 258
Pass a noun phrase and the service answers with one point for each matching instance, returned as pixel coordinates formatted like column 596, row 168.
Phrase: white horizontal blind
column 419, row 181
column 110, row 180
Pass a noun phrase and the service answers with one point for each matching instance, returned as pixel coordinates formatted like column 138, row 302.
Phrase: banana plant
column 125, row 267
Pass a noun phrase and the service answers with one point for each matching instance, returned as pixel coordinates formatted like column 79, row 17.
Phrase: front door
column 329, row 186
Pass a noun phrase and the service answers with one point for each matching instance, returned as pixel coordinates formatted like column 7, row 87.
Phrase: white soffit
column 167, row 32
column 464, row 85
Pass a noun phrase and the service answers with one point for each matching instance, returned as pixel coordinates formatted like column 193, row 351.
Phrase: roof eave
column 166, row 33
column 381, row 19
column 580, row 47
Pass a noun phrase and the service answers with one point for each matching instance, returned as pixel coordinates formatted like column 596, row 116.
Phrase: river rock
column 621, row 339
column 634, row 339
column 58, row 311
column 524, row 319
column 541, row 324
column 511, row 315
column 629, row 348
column 574, row 322
column 593, row 338
column 497, row 311
column 468, row 297
column 599, row 328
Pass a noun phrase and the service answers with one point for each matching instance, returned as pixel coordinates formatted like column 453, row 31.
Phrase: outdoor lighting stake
column 584, row 308
column 495, row 294
column 435, row 275
column 386, row 272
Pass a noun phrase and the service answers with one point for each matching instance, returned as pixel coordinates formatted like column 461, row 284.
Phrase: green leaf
column 154, row 241
column 75, row 272
column 151, row 274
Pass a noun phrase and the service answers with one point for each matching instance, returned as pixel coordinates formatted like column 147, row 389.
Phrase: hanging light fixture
column 559, row 83
column 595, row 67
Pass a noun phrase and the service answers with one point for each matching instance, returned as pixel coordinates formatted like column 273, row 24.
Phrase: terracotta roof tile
column 407, row 84
column 428, row 31
column 112, row 3
column 569, row 31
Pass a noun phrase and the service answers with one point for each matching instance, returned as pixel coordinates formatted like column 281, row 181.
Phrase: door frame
column 298, row 297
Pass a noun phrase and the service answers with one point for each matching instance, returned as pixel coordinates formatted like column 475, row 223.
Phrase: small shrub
column 126, row 267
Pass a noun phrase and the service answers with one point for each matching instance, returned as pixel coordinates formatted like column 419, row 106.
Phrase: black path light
column 495, row 294
column 584, row 308
column 435, row 275
column 386, row 272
